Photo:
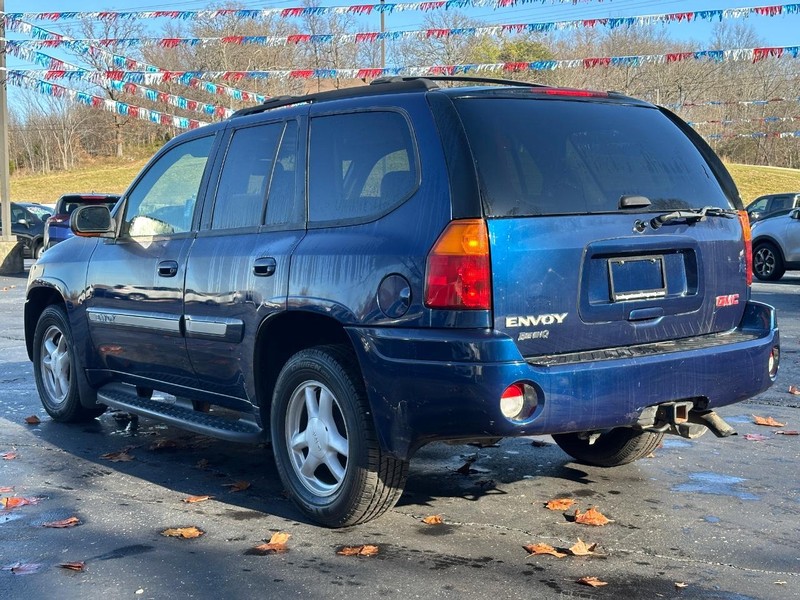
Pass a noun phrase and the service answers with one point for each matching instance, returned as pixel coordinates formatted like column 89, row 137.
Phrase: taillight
column 458, row 274
column 63, row 218
column 744, row 219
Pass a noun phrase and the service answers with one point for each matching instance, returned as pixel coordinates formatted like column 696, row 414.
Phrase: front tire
column 56, row 369
column 617, row 447
column 324, row 440
column 768, row 262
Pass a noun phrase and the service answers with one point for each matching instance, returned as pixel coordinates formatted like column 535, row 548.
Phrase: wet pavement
column 707, row 519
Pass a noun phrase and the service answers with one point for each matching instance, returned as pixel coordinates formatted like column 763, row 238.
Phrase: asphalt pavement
column 707, row 519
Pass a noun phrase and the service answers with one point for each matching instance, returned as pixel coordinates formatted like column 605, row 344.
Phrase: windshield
column 571, row 157
column 40, row 211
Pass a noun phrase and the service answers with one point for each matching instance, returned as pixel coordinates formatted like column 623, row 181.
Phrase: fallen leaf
column 63, row 523
column 591, row 517
column 363, row 550
column 6, row 489
column 74, row 566
column 792, row 432
column 466, row 468
column 767, row 421
column 195, row 499
column 160, row 445
column 540, row 444
column 202, row 463
column 592, row 581
column 276, row 545
column 17, row 501
column 581, row 548
column 32, row 420
column 794, row 390
column 8, row 455
column 756, row 437
column 780, row 582
column 121, row 456
column 560, row 504
column 681, row 584
column 433, row 520
column 536, row 549
column 183, row 532
column 22, row 568
column 239, row 486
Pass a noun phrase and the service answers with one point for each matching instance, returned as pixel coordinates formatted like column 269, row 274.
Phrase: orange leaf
column 22, row 568
column 74, row 566
column 8, row 455
column 195, row 499
column 32, row 420
column 183, row 532
column 121, row 456
column 581, row 548
column 276, row 545
column 591, row 517
column 793, row 389
column 6, row 489
column 239, row 486
column 680, row 585
column 63, row 523
column 536, row 549
column 592, row 581
column 433, row 520
column 768, row 421
column 16, row 502
column 363, row 550
column 560, row 504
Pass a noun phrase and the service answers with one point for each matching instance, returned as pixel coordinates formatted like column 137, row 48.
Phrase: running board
column 183, row 417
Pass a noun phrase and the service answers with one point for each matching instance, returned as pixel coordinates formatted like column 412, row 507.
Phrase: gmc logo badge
column 730, row 300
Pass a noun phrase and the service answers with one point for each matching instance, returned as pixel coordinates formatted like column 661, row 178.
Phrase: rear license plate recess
column 637, row 277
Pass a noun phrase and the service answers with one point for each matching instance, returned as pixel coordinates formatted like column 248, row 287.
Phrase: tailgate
column 583, row 282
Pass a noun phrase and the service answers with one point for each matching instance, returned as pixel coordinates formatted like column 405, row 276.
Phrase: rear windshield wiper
column 692, row 215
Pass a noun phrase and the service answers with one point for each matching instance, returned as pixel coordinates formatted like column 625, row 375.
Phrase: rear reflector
column 458, row 273
column 747, row 237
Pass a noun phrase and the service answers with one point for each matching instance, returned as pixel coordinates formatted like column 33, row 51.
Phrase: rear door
column 571, row 187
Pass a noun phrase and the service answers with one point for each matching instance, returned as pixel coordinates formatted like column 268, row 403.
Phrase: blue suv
column 354, row 274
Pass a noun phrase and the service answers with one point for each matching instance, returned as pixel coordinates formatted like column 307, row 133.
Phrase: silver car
column 776, row 246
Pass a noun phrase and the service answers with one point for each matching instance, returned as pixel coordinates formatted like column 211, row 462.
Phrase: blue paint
column 711, row 519
column 669, row 443
column 715, row 484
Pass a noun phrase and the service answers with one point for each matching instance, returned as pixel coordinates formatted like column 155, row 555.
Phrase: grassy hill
column 114, row 175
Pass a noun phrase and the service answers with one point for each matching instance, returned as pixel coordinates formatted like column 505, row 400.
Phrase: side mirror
column 24, row 223
column 755, row 216
column 92, row 220
column 795, row 214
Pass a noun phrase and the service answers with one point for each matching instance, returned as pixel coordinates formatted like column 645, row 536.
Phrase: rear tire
column 768, row 262
column 616, row 447
column 56, row 369
column 324, row 441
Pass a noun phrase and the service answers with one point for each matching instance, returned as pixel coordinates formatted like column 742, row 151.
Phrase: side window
column 282, row 204
column 242, row 187
column 781, row 203
column 353, row 175
column 163, row 201
column 759, row 205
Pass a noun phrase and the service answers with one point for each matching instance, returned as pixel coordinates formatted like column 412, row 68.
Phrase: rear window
column 567, row 157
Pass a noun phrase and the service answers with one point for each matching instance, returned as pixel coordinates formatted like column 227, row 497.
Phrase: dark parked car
column 27, row 223
column 772, row 205
column 776, row 246
column 354, row 274
column 57, row 227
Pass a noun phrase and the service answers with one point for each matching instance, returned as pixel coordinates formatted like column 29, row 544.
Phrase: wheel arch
column 38, row 299
column 282, row 336
column 770, row 240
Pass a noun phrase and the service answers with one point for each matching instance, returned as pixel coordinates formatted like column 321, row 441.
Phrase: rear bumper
column 426, row 385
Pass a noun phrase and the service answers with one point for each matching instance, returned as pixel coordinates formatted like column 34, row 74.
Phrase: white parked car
column 776, row 246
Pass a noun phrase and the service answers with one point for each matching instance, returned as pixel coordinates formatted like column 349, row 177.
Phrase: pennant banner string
column 374, row 36
column 48, row 88
column 52, row 39
column 255, row 14
column 149, row 78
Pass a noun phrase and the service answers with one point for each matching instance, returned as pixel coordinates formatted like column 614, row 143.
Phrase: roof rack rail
column 398, row 85
column 464, row 78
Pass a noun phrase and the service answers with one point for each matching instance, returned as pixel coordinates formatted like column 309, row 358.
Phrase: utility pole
column 383, row 29
column 5, row 188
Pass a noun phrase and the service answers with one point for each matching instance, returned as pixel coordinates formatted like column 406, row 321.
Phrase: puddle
column 715, row 484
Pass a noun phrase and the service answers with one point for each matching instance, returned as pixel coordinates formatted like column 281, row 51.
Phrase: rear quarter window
column 543, row 157
column 360, row 165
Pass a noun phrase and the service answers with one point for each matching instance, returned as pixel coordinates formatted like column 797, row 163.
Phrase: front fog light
column 518, row 402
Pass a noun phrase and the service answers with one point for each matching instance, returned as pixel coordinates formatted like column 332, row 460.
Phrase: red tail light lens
column 458, row 273
column 63, row 218
column 744, row 219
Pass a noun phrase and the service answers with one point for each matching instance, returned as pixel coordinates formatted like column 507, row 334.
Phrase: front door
column 135, row 282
